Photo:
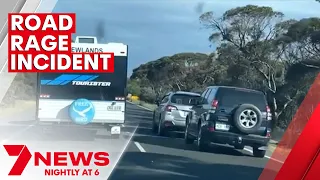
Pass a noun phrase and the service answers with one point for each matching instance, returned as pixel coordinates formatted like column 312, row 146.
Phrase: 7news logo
column 76, row 79
column 24, row 157
column 57, row 159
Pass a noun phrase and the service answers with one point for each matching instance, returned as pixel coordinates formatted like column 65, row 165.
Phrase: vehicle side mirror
column 157, row 102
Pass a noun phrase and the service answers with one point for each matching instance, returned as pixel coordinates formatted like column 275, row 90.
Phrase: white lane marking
column 268, row 157
column 139, row 147
column 148, row 170
column 274, row 159
column 122, row 151
column 17, row 134
column 14, row 7
column 4, row 66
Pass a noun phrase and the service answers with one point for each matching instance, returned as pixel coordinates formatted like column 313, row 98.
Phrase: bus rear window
column 86, row 40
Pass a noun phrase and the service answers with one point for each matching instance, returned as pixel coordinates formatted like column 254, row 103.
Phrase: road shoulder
column 18, row 107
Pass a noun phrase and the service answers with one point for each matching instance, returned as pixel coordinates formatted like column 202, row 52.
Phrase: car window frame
column 166, row 96
column 203, row 94
column 204, row 99
column 214, row 93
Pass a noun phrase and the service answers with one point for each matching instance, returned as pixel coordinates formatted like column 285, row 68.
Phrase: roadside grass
column 273, row 147
column 16, row 107
column 279, row 152
column 144, row 104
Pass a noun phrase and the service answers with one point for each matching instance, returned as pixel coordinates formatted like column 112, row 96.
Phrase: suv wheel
column 239, row 147
column 187, row 138
column 258, row 153
column 161, row 129
column 202, row 145
column 154, row 125
column 247, row 118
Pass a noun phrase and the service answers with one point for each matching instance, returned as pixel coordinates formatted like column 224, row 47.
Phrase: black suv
column 230, row 115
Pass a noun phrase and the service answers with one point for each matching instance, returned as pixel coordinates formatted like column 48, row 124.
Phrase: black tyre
column 239, row 147
column 201, row 143
column 161, row 129
column 247, row 118
column 187, row 138
column 154, row 125
column 258, row 153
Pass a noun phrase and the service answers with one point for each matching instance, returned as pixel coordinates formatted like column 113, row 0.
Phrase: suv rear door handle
column 222, row 110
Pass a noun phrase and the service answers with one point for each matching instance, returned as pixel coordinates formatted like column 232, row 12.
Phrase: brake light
column 269, row 115
column 268, row 109
column 214, row 104
column 268, row 135
column 211, row 129
column 169, row 108
column 44, row 96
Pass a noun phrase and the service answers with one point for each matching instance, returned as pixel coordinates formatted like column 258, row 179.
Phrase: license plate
column 114, row 108
column 222, row 126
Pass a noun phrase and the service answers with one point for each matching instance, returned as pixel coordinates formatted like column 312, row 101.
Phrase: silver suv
column 172, row 111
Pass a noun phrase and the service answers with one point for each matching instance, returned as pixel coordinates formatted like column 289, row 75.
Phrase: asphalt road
column 147, row 156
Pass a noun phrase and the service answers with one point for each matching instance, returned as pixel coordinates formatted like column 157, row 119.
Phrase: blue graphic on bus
column 67, row 78
column 81, row 111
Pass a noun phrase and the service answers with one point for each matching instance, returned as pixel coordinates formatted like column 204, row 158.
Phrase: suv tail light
column 268, row 109
column 214, row 104
column 269, row 116
column 268, row 134
column 169, row 108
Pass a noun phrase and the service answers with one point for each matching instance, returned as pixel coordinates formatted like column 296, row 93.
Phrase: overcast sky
column 156, row 28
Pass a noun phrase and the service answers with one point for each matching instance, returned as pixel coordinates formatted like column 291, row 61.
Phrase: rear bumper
column 172, row 123
column 95, row 121
column 69, row 123
column 230, row 138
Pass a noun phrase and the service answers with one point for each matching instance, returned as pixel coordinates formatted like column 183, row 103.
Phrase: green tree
column 302, row 47
column 256, row 49
column 177, row 72
column 134, row 87
column 148, row 95
column 251, row 31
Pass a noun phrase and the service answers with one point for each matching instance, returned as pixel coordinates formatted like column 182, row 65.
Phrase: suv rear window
column 230, row 97
column 183, row 99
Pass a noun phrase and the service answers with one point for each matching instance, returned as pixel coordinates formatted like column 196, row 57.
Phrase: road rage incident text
column 42, row 43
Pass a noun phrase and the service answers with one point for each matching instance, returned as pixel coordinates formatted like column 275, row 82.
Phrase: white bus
column 106, row 92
